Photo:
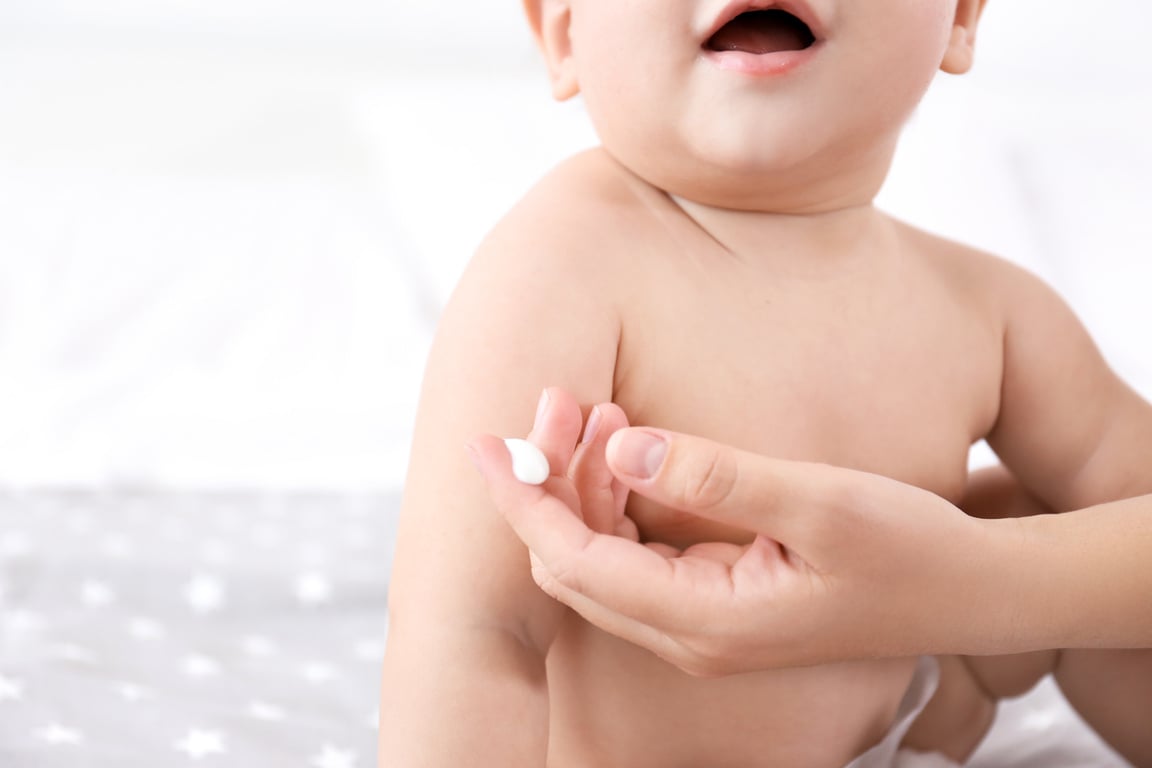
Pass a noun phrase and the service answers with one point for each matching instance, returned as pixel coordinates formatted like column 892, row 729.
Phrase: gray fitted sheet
column 145, row 628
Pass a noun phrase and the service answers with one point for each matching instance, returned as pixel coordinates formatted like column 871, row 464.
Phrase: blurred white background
column 227, row 226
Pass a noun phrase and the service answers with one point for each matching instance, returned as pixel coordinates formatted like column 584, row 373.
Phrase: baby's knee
column 957, row 717
column 1006, row 677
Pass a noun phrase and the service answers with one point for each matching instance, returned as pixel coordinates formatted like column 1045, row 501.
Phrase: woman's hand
column 844, row 564
column 579, row 478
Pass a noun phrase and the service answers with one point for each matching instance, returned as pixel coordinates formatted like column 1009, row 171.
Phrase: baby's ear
column 551, row 21
column 961, row 47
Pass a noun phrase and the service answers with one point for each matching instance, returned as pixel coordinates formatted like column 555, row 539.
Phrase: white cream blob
column 528, row 462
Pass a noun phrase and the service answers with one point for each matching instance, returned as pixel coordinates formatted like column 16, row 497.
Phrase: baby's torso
column 887, row 365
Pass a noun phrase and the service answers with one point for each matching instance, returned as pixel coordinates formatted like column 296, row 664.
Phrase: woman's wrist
column 1015, row 589
column 1072, row 580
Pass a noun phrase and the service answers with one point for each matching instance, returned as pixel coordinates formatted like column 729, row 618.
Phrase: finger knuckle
column 557, row 577
column 704, row 667
column 681, row 657
column 701, row 657
column 546, row 581
column 709, row 482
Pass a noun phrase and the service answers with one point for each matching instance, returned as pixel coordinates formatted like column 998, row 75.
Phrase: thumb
column 789, row 501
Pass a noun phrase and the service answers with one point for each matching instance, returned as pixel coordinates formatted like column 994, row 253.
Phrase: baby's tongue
column 763, row 32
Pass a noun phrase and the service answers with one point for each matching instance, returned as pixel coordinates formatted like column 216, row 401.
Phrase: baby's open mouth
column 762, row 31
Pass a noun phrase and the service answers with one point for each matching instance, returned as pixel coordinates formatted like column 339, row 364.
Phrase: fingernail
column 593, row 426
column 541, row 406
column 640, row 453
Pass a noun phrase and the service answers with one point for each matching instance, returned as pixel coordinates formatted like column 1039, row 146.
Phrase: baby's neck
column 834, row 234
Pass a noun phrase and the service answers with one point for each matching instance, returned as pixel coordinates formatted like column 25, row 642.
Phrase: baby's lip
column 798, row 8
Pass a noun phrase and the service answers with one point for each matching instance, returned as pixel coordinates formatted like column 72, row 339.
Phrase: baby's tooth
column 528, row 462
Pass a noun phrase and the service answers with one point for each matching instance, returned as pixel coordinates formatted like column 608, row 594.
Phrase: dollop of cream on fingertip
column 529, row 464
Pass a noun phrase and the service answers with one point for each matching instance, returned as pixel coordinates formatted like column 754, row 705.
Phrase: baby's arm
column 1075, row 435
column 464, row 672
column 1072, row 432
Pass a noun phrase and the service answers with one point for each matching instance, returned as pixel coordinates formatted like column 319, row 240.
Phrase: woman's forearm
column 1079, row 579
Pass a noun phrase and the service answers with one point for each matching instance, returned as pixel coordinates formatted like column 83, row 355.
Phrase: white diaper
column 906, row 758
column 887, row 754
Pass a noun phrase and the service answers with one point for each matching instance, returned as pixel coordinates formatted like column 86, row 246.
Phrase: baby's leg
column 1009, row 676
column 1112, row 691
column 958, row 716
column 961, row 713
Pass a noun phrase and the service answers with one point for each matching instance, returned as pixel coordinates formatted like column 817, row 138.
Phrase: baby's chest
column 903, row 394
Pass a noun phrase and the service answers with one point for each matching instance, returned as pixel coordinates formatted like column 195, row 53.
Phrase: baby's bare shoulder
column 581, row 213
column 971, row 271
column 556, row 253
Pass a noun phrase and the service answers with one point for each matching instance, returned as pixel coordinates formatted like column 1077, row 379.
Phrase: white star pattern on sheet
column 116, row 546
column 96, row 594
column 59, row 734
column 144, row 628
column 73, row 653
column 258, row 645
column 11, row 689
column 331, row 757
column 145, row 631
column 22, row 621
column 369, row 649
column 197, row 743
column 204, row 593
column 264, row 711
column 318, row 672
column 313, row 589
column 130, row 692
column 198, row 667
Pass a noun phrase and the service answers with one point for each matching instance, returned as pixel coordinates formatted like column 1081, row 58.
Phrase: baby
column 717, row 267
